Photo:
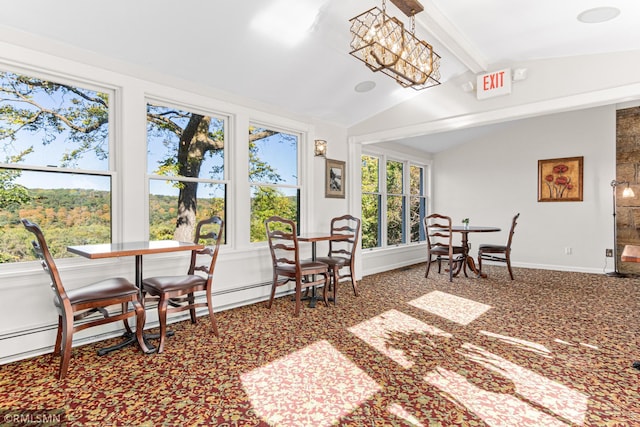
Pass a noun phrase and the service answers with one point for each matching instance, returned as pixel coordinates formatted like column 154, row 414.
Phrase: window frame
column 111, row 171
column 408, row 161
column 301, row 136
column 227, row 156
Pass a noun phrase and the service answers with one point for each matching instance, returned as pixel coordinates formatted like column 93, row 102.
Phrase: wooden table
column 465, row 230
column 315, row 238
column 631, row 253
column 137, row 249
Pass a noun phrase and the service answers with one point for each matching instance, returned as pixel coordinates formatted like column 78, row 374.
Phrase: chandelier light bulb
column 383, row 44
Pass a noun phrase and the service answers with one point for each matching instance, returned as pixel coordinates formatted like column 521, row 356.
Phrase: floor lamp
column 626, row 193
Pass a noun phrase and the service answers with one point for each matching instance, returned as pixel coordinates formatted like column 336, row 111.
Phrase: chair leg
column 58, row 346
column 162, row 318
column 508, row 259
column 335, row 280
column 67, row 339
column 298, row 297
column 327, row 281
column 192, row 310
column 125, row 308
column 214, row 324
column 451, row 269
column 273, row 290
column 426, row 274
column 354, row 285
column 140, row 319
column 479, row 262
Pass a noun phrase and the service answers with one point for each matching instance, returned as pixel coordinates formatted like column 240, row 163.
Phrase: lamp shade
column 320, row 148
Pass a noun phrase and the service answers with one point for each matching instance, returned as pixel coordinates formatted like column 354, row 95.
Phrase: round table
column 465, row 230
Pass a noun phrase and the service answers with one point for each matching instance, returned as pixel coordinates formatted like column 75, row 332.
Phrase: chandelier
column 383, row 44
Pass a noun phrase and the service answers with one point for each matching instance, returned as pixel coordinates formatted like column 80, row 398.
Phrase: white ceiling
column 237, row 46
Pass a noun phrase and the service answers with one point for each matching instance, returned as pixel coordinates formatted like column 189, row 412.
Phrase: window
column 186, row 169
column 397, row 189
column 417, row 202
column 371, row 202
column 55, row 164
column 273, row 177
column 395, row 203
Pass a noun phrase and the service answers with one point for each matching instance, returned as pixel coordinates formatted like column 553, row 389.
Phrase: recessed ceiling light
column 365, row 86
column 598, row 14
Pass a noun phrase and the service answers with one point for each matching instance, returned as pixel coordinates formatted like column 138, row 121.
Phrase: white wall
column 327, row 208
column 492, row 178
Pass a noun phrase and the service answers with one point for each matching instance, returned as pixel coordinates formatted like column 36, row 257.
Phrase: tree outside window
column 54, row 167
column 402, row 196
column 273, row 178
column 371, row 201
column 417, row 202
column 186, row 168
column 396, row 203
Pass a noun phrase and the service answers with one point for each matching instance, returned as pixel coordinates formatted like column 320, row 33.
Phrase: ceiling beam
column 452, row 39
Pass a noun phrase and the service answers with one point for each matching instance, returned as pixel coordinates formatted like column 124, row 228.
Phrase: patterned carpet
column 548, row 349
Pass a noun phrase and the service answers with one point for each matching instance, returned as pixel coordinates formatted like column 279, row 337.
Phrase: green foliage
column 11, row 193
column 67, row 217
column 370, row 220
column 162, row 214
column 396, row 200
column 82, row 113
column 266, row 202
column 370, row 202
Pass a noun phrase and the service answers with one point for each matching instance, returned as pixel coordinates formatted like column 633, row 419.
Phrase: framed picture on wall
column 560, row 180
column 335, row 179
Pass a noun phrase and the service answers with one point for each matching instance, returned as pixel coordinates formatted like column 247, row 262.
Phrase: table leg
column 129, row 336
column 465, row 247
column 313, row 299
column 470, row 262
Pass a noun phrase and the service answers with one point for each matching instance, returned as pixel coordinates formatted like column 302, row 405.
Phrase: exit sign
column 494, row 84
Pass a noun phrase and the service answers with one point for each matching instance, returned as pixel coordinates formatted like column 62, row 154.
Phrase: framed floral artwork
column 560, row 180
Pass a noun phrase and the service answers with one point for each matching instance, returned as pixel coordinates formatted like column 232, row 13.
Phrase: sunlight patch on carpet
column 456, row 309
column 314, row 386
column 591, row 346
column 397, row 410
column 495, row 409
column 387, row 331
column 533, row 347
column 529, row 386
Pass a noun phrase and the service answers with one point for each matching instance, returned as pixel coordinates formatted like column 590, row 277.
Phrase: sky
column 274, row 150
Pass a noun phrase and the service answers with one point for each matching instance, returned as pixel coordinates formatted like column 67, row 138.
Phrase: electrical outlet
column 608, row 253
column 568, row 251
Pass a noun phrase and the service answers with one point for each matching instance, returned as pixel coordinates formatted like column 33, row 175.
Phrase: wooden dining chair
column 440, row 244
column 498, row 253
column 177, row 293
column 282, row 236
column 341, row 254
column 74, row 306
